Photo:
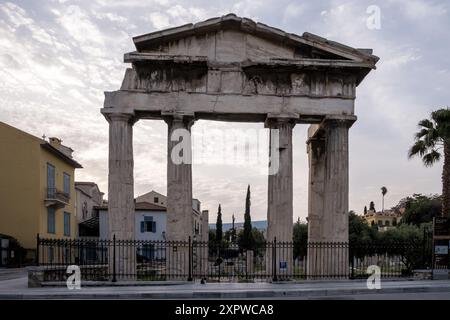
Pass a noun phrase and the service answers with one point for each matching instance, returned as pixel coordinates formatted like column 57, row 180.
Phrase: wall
column 158, row 216
column 20, row 199
column 150, row 197
column 103, row 224
column 81, row 197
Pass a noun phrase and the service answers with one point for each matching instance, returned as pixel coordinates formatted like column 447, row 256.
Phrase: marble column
column 280, row 195
column 328, row 200
column 316, row 161
column 121, row 189
column 179, row 193
column 336, row 180
column 203, row 247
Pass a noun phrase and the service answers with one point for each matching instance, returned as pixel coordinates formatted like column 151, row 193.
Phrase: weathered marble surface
column 328, row 197
column 234, row 69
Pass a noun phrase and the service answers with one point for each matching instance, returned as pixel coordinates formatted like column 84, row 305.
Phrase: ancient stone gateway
column 233, row 69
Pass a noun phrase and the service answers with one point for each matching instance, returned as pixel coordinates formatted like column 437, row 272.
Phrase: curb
column 104, row 284
column 238, row 294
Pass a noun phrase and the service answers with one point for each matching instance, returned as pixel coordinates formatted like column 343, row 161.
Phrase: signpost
column 441, row 244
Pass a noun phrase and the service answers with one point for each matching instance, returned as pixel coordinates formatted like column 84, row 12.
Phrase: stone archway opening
column 227, row 157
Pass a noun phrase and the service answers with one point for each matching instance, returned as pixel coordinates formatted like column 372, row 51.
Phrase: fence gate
column 229, row 262
column 226, row 263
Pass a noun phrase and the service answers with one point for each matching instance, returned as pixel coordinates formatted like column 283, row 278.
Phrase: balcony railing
column 56, row 197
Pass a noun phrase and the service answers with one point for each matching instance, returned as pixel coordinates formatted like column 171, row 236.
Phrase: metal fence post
column 424, row 248
column 352, row 263
column 37, row 249
column 114, row 259
column 274, row 259
column 190, row 259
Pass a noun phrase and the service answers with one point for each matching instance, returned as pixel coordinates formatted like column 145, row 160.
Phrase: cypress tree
column 247, row 237
column 219, row 225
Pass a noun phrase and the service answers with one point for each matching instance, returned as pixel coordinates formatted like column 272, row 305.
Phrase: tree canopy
column 247, row 241
column 420, row 208
column 300, row 239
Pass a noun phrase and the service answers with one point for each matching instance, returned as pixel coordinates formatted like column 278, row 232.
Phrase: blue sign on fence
column 283, row 264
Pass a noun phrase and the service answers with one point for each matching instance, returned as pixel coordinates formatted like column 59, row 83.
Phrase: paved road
column 16, row 288
column 378, row 296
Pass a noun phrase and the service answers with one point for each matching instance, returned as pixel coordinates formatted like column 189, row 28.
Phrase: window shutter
column 142, row 226
column 154, row 226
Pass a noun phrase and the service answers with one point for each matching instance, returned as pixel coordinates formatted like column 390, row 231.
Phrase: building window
column 66, row 178
column 387, row 223
column 148, row 225
column 50, row 180
column 51, row 220
column 380, row 223
column 67, row 224
column 155, row 199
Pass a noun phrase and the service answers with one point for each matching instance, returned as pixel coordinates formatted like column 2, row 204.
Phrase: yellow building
column 384, row 220
column 37, row 190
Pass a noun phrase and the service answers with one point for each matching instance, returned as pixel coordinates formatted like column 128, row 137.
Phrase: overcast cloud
column 57, row 58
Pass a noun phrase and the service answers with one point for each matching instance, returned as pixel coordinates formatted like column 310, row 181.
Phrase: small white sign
column 441, row 249
column 440, row 274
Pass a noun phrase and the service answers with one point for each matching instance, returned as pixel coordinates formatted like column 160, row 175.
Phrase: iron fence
column 112, row 260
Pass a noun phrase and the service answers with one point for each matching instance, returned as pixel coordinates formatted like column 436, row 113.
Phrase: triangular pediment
column 233, row 39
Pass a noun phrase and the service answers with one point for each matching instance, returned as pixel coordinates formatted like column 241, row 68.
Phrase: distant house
column 150, row 218
column 383, row 220
column 153, row 197
column 150, row 222
column 88, row 198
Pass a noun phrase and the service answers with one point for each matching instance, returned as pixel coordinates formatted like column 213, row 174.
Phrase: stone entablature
column 234, row 69
column 198, row 75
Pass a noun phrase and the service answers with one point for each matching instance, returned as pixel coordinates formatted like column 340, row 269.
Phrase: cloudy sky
column 57, row 57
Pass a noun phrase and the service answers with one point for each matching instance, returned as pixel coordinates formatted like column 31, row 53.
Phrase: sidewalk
column 12, row 273
column 17, row 289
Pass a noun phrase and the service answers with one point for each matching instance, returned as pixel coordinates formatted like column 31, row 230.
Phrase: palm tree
column 383, row 193
column 431, row 143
